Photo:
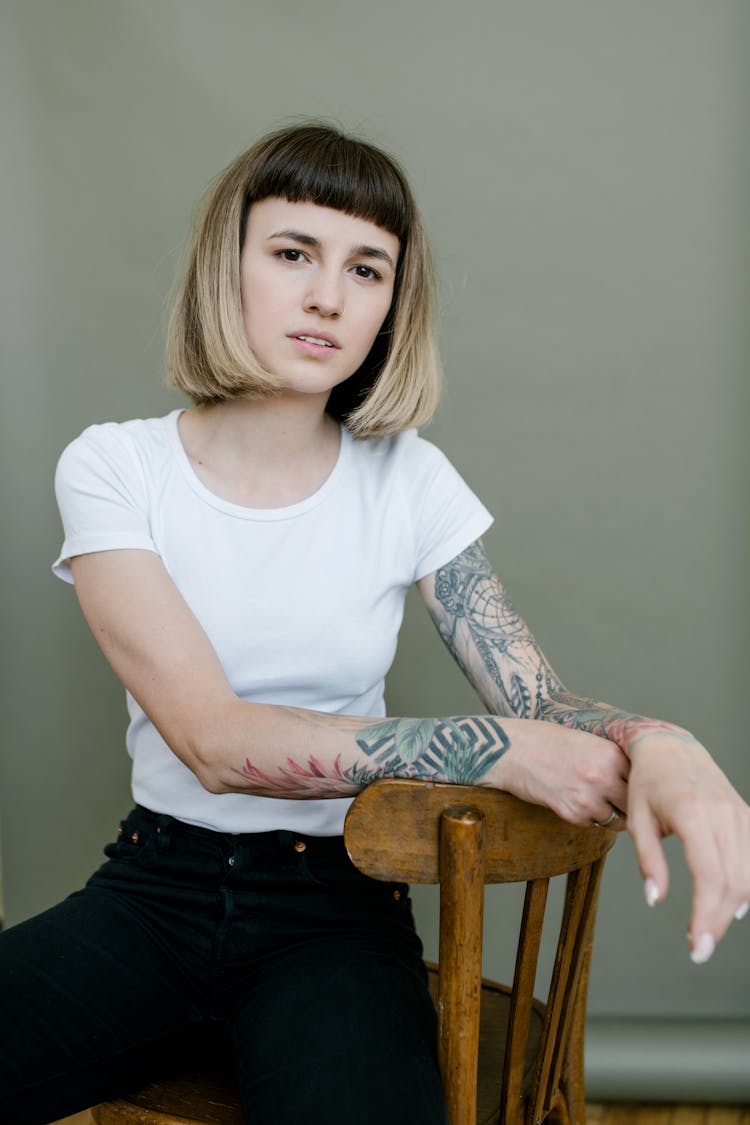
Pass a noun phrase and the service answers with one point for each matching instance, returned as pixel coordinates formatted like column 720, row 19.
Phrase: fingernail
column 702, row 949
column 651, row 891
column 742, row 910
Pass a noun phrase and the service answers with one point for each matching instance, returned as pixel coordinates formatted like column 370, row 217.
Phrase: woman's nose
column 325, row 295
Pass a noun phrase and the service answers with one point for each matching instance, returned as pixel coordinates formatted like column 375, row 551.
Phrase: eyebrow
column 362, row 251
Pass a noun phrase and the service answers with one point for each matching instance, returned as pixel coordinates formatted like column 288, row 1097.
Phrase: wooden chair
column 504, row 1056
column 523, row 1060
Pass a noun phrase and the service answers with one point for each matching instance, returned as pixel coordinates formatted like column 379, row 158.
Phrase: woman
column 243, row 565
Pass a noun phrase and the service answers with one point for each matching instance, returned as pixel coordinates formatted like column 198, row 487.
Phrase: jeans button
column 231, row 861
column 300, row 846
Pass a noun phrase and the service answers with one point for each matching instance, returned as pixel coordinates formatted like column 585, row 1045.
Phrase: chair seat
column 207, row 1097
column 210, row 1097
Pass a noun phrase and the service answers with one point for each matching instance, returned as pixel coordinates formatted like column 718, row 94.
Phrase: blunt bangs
column 316, row 164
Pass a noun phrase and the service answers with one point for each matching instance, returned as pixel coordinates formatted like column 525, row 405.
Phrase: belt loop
column 161, row 832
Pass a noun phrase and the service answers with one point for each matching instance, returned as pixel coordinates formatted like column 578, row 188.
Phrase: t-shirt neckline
column 260, row 514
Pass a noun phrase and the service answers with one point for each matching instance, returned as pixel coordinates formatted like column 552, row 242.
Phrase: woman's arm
column 673, row 783
column 163, row 656
column 503, row 661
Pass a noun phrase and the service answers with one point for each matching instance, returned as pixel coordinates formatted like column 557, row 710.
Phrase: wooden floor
column 616, row 1115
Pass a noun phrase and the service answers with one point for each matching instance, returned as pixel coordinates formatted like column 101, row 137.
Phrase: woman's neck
column 265, row 452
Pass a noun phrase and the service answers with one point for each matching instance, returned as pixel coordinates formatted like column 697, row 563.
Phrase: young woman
column 243, row 565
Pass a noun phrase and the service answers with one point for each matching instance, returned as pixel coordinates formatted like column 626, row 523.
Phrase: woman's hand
column 676, row 787
column 578, row 775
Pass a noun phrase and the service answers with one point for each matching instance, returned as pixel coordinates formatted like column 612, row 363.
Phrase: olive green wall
column 583, row 170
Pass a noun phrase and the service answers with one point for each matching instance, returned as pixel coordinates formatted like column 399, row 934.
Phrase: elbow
column 213, row 774
column 202, row 757
column 212, row 782
column 216, row 750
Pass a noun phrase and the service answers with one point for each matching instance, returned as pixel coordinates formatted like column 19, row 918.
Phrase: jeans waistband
column 164, row 827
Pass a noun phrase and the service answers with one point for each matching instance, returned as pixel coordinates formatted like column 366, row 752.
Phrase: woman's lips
column 317, row 343
column 322, row 339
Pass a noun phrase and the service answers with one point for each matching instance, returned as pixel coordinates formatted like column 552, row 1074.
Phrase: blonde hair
column 398, row 385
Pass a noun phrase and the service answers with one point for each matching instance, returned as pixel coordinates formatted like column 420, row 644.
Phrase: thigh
column 336, row 1031
column 87, row 999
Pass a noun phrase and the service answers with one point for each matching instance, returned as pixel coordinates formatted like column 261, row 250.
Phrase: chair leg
column 572, row 1087
column 462, row 862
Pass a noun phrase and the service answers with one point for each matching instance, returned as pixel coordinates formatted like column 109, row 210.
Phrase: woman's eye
column 290, row 255
column 367, row 272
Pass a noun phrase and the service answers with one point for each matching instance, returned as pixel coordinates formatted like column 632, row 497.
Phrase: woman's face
column 316, row 287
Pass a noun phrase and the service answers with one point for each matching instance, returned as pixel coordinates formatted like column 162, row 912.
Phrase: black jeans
column 307, row 973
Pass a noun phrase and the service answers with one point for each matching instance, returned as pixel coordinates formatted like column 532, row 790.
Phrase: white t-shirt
column 302, row 604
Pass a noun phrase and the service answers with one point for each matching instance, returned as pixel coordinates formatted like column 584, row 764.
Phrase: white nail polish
column 702, row 949
column 651, row 892
column 742, row 911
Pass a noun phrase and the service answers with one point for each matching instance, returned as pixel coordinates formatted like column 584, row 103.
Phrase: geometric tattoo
column 459, row 749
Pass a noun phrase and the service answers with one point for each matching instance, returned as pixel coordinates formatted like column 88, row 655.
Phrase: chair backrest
column 463, row 837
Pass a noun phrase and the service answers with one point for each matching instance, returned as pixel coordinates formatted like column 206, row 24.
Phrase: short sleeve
column 447, row 515
column 102, row 496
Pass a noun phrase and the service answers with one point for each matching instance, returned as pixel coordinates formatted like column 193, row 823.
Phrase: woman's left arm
column 674, row 786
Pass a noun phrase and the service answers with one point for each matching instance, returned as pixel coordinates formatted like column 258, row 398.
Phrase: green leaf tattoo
column 460, row 749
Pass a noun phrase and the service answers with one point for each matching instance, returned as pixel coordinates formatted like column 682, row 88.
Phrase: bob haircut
column 398, row 385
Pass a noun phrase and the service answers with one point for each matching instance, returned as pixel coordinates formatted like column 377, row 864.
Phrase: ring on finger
column 613, row 816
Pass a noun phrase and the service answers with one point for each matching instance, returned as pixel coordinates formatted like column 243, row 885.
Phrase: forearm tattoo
column 622, row 727
column 499, row 655
column 459, row 750
column 487, row 638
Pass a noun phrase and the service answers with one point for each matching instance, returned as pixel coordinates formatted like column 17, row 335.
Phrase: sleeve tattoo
column 500, row 657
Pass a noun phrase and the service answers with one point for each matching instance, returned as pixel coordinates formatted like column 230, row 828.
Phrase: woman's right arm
column 160, row 652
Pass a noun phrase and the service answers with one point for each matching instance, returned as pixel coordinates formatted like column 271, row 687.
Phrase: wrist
column 662, row 744
column 654, row 734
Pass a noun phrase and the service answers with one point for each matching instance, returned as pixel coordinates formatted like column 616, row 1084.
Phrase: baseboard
column 668, row 1060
